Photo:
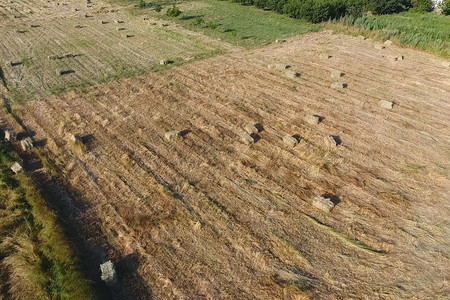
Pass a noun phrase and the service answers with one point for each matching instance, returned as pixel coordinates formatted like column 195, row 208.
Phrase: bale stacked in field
column 172, row 135
column 330, row 141
column 313, row 119
column 338, row 85
column 10, row 135
column 16, row 168
column 108, row 273
column 279, row 67
column 379, row 46
column 324, row 56
column 290, row 140
column 251, row 128
column 15, row 63
column 247, row 139
column 323, row 203
column 397, row 58
column 165, row 62
column 72, row 138
column 77, row 143
column 335, row 74
column 386, row 104
column 291, row 74
column 27, row 144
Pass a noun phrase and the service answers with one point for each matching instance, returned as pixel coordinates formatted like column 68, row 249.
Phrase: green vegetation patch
column 426, row 31
column 36, row 260
column 245, row 26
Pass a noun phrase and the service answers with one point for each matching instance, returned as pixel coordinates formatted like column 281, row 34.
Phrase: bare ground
column 209, row 217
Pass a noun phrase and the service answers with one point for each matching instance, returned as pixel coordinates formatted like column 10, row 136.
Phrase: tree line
column 323, row 10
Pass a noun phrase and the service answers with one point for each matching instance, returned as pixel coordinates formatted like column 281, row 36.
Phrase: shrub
column 445, row 6
column 142, row 4
column 198, row 21
column 212, row 25
column 173, row 12
column 323, row 10
column 158, row 7
column 422, row 5
column 391, row 6
column 314, row 10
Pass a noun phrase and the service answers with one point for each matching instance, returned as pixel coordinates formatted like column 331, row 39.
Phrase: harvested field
column 210, row 217
column 100, row 52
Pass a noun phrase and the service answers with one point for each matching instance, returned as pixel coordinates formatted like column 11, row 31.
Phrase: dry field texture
column 52, row 46
column 209, row 217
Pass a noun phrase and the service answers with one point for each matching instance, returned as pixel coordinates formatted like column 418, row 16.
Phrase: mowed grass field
column 100, row 49
column 106, row 41
column 207, row 216
column 245, row 26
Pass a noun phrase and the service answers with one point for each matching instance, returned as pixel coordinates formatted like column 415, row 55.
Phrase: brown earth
column 210, row 218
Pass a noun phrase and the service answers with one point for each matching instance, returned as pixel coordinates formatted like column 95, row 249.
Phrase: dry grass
column 98, row 52
column 36, row 259
column 247, row 228
column 78, row 146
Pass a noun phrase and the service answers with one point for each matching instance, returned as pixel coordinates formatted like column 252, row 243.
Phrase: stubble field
column 50, row 46
column 210, row 217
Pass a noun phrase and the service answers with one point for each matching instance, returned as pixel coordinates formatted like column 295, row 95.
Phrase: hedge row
column 323, row 10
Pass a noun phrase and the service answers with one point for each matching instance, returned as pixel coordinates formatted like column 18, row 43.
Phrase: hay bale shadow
column 259, row 126
column 297, row 137
column 40, row 143
column 333, row 198
column 320, row 118
column 66, row 72
column 131, row 285
column 186, row 18
column 87, row 140
column 256, row 137
column 24, row 134
column 185, row 132
column 337, row 139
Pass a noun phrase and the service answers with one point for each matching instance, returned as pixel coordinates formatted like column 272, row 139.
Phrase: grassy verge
column 36, row 260
column 245, row 26
column 425, row 31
